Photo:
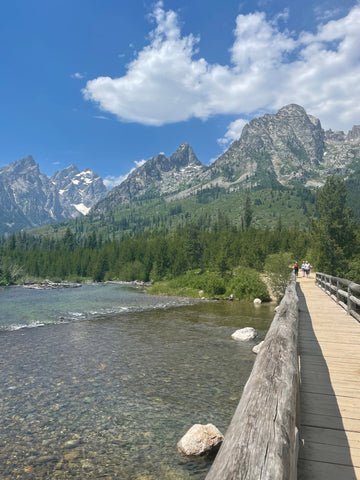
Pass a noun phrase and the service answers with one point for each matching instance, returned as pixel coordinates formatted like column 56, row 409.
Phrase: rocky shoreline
column 47, row 285
column 51, row 285
column 137, row 283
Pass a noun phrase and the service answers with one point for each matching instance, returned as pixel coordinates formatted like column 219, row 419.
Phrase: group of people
column 305, row 268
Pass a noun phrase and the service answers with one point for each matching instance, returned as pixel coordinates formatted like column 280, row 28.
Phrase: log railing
column 262, row 440
column 343, row 291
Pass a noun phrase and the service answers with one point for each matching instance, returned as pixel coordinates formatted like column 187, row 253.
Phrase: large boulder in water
column 244, row 334
column 200, row 440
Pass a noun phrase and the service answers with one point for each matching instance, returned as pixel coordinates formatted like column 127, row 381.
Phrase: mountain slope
column 277, row 150
column 159, row 176
column 287, row 151
column 289, row 146
column 28, row 198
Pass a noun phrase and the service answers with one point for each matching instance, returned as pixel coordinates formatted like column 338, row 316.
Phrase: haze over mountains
column 285, row 149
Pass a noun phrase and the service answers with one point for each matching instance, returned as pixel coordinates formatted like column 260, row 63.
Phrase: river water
column 111, row 379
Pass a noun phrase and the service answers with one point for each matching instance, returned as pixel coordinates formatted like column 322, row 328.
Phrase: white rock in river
column 245, row 334
column 257, row 347
column 257, row 301
column 200, row 440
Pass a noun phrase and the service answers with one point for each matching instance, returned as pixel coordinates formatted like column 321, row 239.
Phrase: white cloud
column 111, row 181
column 270, row 68
column 77, row 75
column 233, row 132
column 139, row 163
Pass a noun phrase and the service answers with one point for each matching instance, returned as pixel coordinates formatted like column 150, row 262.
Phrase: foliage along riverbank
column 218, row 259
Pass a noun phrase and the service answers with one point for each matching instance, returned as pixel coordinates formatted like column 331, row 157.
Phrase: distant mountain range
column 29, row 198
column 282, row 150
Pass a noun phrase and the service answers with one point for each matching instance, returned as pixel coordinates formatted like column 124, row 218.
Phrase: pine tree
column 248, row 213
column 333, row 233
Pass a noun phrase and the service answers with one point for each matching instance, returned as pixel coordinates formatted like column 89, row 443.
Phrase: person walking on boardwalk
column 303, row 268
column 296, row 268
column 308, row 267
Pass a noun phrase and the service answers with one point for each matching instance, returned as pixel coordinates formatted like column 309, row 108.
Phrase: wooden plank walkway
column 329, row 349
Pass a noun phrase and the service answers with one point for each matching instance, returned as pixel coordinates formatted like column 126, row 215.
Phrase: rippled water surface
column 110, row 396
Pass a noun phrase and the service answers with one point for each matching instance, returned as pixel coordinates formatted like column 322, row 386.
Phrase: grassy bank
column 241, row 284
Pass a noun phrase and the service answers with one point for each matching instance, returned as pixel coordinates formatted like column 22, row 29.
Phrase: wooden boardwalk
column 329, row 348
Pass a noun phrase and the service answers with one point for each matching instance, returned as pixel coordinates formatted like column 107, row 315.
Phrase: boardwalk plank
column 331, row 422
column 335, row 454
column 329, row 349
column 326, row 471
column 322, row 435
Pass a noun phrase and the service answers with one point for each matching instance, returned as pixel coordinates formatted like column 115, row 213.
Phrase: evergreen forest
column 206, row 256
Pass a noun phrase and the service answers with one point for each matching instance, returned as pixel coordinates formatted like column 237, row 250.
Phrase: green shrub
column 278, row 268
column 132, row 271
column 246, row 284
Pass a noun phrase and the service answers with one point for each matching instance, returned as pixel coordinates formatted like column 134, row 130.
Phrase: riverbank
column 242, row 284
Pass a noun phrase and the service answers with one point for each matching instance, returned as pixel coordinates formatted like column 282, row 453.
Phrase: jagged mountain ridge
column 158, row 176
column 273, row 151
column 277, row 149
column 289, row 146
column 29, row 198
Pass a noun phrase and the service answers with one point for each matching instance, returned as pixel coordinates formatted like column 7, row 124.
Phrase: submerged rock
column 257, row 347
column 200, row 440
column 244, row 334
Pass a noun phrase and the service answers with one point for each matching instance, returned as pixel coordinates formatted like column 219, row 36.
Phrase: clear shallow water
column 24, row 307
column 110, row 396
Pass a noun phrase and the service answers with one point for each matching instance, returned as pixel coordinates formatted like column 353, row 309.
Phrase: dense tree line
column 217, row 246
column 152, row 255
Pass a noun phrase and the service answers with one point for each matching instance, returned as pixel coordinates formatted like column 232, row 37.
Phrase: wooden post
column 349, row 301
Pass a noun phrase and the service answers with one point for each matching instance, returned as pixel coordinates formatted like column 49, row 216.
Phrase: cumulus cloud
column 167, row 82
column 233, row 132
column 139, row 163
column 112, row 181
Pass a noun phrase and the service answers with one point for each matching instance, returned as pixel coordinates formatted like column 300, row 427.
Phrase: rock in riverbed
column 257, row 347
column 244, row 334
column 200, row 440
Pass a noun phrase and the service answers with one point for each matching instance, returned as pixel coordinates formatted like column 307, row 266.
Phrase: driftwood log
column 261, row 441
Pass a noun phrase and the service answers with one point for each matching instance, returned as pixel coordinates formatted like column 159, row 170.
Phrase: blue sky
column 107, row 84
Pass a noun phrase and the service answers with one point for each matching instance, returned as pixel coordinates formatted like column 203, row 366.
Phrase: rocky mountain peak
column 19, row 167
column 354, row 134
column 285, row 146
column 29, row 198
column 158, row 176
column 184, row 156
column 59, row 177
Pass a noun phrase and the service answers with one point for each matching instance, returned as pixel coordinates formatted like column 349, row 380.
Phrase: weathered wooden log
column 261, row 440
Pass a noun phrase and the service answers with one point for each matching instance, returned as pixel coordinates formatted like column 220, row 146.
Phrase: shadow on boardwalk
column 324, row 449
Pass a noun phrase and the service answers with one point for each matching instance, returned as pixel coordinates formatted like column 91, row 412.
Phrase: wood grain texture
column 261, row 440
